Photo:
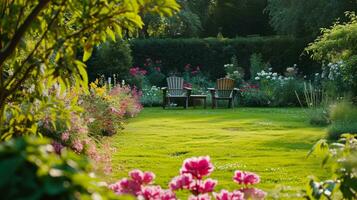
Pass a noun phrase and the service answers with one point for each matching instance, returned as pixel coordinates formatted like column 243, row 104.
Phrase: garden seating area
column 107, row 99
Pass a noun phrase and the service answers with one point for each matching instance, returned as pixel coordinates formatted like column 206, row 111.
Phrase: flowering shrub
column 233, row 71
column 191, row 178
column 195, row 79
column 107, row 109
column 151, row 96
column 277, row 90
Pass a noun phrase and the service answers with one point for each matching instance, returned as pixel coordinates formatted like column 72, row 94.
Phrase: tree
column 339, row 43
column 39, row 41
column 306, row 17
column 238, row 17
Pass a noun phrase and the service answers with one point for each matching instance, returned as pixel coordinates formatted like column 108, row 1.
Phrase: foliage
column 195, row 79
column 39, row 43
column 191, row 178
column 110, row 58
column 257, row 64
column 306, row 17
column 152, row 96
column 281, row 90
column 234, row 72
column 107, row 108
column 337, row 44
column 343, row 117
column 251, row 95
column 317, row 102
column 238, row 18
column 212, row 53
column 30, row 169
column 341, row 157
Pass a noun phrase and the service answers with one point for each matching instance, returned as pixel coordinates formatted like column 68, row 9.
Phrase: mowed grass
column 272, row 142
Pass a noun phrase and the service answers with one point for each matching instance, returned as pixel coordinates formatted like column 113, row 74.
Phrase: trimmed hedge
column 212, row 53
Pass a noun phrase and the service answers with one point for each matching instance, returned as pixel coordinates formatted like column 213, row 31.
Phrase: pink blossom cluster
column 140, row 186
column 136, row 71
column 192, row 70
column 191, row 178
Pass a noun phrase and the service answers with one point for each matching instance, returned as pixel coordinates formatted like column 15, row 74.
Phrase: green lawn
column 272, row 142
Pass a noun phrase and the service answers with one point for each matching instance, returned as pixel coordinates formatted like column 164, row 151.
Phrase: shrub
column 30, row 169
column 213, row 53
column 341, row 158
column 110, row 58
column 343, row 117
column 251, row 95
column 151, row 96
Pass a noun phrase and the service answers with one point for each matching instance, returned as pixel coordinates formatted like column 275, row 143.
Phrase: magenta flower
column 246, row 178
column 142, row 177
column 198, row 167
column 254, row 193
column 225, row 195
column 57, row 147
column 181, row 182
column 167, row 195
column 200, row 197
column 207, row 186
column 237, row 195
column 126, row 186
column 150, row 193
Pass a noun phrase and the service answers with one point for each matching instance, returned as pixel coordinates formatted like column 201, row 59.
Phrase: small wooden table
column 195, row 96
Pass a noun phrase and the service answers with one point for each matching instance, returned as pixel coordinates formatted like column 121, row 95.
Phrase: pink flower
column 246, row 178
column 207, row 186
column 65, row 136
column 77, row 146
column 198, row 167
column 200, row 197
column 126, row 186
column 142, row 177
column 225, row 195
column 150, row 193
column 254, row 193
column 167, row 195
column 181, row 182
column 237, row 195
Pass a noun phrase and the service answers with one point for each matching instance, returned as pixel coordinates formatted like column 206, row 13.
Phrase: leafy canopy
column 39, row 44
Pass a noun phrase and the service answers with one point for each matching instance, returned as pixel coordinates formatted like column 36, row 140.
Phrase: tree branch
column 21, row 31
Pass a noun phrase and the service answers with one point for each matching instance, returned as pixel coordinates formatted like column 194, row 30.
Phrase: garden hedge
column 212, row 53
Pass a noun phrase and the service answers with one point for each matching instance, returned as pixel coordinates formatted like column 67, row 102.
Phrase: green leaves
column 30, row 169
column 48, row 49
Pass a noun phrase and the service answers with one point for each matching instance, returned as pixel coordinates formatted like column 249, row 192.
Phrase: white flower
column 257, row 78
column 270, row 69
column 268, row 77
column 316, row 74
column 259, row 74
column 273, row 78
column 275, row 74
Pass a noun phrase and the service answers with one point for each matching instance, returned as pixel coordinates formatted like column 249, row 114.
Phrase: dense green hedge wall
column 212, row 53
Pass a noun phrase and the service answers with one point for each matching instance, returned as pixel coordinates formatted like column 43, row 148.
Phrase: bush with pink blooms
column 99, row 113
column 192, row 178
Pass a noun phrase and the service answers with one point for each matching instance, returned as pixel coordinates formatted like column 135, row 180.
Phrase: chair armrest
column 164, row 88
column 187, row 88
column 211, row 89
column 236, row 89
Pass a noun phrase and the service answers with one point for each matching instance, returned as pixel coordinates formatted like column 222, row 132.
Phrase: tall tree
column 306, row 17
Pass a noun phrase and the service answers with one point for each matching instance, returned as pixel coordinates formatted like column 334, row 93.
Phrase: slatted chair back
column 175, row 86
column 224, row 87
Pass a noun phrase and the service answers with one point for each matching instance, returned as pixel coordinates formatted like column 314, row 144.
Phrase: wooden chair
column 224, row 91
column 175, row 90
